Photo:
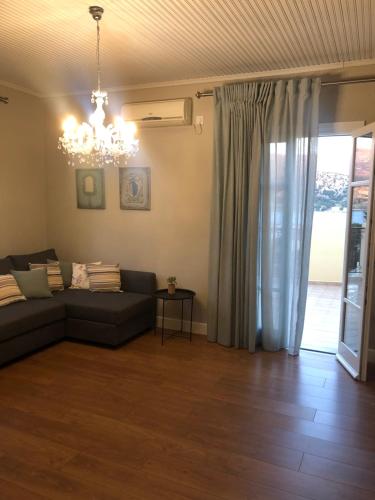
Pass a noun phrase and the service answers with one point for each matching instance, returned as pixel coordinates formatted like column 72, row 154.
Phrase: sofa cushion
column 33, row 284
column 21, row 262
column 54, row 276
column 23, row 317
column 138, row 281
column 66, row 270
column 110, row 307
column 80, row 277
column 5, row 265
column 9, row 290
column 104, row 277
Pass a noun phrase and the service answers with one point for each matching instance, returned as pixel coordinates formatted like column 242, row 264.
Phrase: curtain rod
column 4, row 100
column 207, row 93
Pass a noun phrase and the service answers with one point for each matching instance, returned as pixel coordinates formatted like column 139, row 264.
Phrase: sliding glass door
column 359, row 258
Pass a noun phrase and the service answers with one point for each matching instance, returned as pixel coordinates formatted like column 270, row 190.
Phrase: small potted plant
column 172, row 282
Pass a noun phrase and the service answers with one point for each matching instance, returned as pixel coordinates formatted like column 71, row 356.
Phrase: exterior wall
column 327, row 247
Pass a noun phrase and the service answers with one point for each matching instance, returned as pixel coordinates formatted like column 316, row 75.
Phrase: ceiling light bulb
column 69, row 124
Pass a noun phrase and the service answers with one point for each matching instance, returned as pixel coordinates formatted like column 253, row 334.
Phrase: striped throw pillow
column 9, row 290
column 104, row 277
column 55, row 280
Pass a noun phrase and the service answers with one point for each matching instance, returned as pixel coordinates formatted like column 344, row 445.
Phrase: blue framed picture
column 90, row 188
column 135, row 188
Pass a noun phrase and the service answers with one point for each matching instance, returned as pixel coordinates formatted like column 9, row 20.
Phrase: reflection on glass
column 357, row 247
column 363, row 158
column 352, row 327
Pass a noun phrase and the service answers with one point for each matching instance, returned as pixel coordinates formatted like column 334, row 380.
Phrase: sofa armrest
column 138, row 281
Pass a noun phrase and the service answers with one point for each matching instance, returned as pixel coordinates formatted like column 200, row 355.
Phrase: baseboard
column 371, row 356
column 175, row 324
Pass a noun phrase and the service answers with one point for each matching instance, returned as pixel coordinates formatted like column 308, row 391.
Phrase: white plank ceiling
column 48, row 46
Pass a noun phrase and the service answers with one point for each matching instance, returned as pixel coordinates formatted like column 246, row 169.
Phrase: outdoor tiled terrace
column 322, row 318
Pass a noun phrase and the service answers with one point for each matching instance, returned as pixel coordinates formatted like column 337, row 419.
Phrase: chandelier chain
column 98, row 53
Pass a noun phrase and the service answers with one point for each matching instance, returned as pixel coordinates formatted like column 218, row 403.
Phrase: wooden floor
column 183, row 421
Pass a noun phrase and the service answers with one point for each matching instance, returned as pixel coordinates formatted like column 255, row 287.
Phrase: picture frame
column 135, row 188
column 90, row 188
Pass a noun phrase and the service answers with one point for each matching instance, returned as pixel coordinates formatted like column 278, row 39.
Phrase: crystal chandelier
column 93, row 143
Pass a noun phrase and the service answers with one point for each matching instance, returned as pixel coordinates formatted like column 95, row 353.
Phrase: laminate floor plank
column 336, row 471
column 199, row 466
column 355, row 424
column 289, row 387
column 312, row 397
column 182, row 435
column 274, row 429
column 141, row 483
column 10, row 491
column 183, row 421
column 44, row 451
column 49, row 482
column 234, row 413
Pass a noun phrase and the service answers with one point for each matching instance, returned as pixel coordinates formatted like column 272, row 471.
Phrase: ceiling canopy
column 48, row 46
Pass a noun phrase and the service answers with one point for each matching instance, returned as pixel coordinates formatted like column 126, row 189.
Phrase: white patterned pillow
column 80, row 278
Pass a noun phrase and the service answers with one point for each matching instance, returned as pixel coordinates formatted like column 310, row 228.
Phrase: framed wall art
column 90, row 188
column 135, row 188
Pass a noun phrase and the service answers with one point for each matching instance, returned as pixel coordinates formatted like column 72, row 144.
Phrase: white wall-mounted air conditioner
column 170, row 112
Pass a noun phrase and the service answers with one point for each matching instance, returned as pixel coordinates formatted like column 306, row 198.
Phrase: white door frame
column 356, row 363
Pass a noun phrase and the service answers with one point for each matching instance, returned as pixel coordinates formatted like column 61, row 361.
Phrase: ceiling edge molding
column 359, row 62
column 213, row 79
column 25, row 90
column 300, row 70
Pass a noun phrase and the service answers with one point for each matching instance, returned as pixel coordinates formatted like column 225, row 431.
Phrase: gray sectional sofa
column 105, row 318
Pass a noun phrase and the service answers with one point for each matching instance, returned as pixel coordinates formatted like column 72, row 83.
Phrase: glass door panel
column 357, row 244
column 352, row 319
column 354, row 329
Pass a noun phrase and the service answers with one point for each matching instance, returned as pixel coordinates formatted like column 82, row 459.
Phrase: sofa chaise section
column 111, row 318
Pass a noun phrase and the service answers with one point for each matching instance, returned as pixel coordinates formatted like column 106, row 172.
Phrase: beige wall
column 22, row 174
column 348, row 103
column 172, row 238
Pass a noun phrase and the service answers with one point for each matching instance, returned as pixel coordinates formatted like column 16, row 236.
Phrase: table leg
column 191, row 317
column 162, row 326
column 155, row 316
column 182, row 316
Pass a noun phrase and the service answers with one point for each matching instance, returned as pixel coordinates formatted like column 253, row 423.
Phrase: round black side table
column 182, row 295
